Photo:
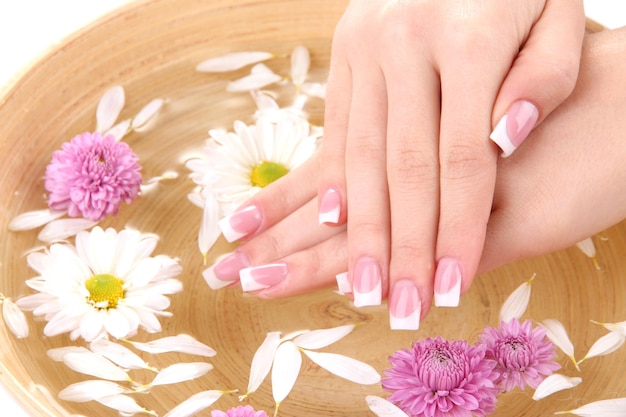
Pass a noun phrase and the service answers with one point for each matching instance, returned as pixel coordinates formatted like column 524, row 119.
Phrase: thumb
column 542, row 76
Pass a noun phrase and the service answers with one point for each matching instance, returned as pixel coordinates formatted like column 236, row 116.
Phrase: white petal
column 124, row 404
column 180, row 372
column 589, row 249
column 33, row 219
column 181, row 343
column 62, row 229
column 194, row 404
column 605, row 408
column 209, row 230
column 383, row 408
column 262, row 362
column 90, row 390
column 95, row 365
column 300, row 63
column 287, row 363
column 118, row 354
column 253, row 82
column 57, row 354
column 554, row 383
column 614, row 327
column 515, row 305
column 146, row 114
column 233, row 61
column 555, row 331
column 606, row 344
column 109, row 108
column 318, row 339
column 14, row 318
column 345, row 367
column 119, row 130
column 314, row 89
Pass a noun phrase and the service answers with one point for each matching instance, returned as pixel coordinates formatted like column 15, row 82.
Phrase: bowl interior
column 151, row 48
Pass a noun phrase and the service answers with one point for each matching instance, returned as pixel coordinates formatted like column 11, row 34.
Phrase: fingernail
column 264, row 276
column 404, row 306
column 241, row 223
column 367, row 282
column 330, row 207
column 226, row 270
column 515, row 126
column 447, row 283
column 343, row 284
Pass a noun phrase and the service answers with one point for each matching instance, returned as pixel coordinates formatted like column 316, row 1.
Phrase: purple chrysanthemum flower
column 239, row 411
column 523, row 353
column 91, row 176
column 440, row 378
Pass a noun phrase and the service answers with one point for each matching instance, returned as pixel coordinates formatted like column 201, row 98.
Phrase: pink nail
column 447, row 283
column 404, row 306
column 515, row 126
column 367, row 282
column 241, row 223
column 330, row 206
column 226, row 270
column 264, row 276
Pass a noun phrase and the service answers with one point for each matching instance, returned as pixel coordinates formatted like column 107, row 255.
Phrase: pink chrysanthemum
column 524, row 355
column 440, row 378
column 239, row 411
column 91, row 176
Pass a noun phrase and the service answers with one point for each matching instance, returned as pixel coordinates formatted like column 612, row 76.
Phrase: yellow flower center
column 105, row 290
column 266, row 173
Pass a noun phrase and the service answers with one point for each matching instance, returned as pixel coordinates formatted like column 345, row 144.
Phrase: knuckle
column 264, row 248
column 411, row 167
column 464, row 160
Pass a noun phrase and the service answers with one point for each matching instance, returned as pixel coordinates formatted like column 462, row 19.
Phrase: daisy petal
column 613, row 327
column 90, row 390
column 383, row 408
column 124, row 404
column 61, row 229
column 554, row 383
column 588, row 248
column 515, row 305
column 262, row 362
column 109, row 108
column 555, row 331
column 606, row 344
column 615, row 407
column 253, row 82
column 92, row 364
column 118, row 354
column 57, row 354
column 318, row 339
column 146, row 114
column 181, row 343
column 314, row 89
column 300, row 63
column 233, row 61
column 209, row 230
column 194, row 404
column 14, row 318
column 345, row 367
column 119, row 130
column 33, row 219
column 180, row 372
column 287, row 363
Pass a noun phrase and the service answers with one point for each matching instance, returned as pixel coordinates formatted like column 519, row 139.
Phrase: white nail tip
column 229, row 233
column 331, row 216
column 343, row 284
column 501, row 138
column 411, row 322
column 214, row 282
column 370, row 298
column 247, row 282
column 450, row 298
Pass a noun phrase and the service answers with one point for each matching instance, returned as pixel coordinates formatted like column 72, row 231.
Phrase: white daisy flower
column 107, row 283
column 236, row 165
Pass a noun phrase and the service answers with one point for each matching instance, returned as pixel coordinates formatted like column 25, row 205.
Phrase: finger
column 542, row 76
column 368, row 196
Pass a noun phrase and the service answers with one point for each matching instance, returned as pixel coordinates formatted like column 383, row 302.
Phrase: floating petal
column 90, row 390
column 14, row 318
column 383, row 408
column 300, row 63
column 109, row 108
column 119, row 130
column 287, row 363
column 555, row 331
column 62, row 229
column 345, row 367
column 589, row 249
column 606, row 344
column 262, row 362
column 181, row 343
column 209, row 230
column 118, row 354
column 314, row 89
column 605, row 408
column 317, row 339
column 233, row 61
column 194, row 404
column 124, row 404
column 515, row 305
column 180, row 372
column 57, row 354
column 147, row 113
column 614, row 327
column 255, row 81
column 92, row 364
column 33, row 219
column 554, row 383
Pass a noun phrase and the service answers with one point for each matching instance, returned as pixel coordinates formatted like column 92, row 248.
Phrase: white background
column 28, row 28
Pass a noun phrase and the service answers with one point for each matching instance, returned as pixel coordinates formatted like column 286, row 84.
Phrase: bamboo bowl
column 151, row 48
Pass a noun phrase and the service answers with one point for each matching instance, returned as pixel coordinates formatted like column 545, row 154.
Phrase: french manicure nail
column 515, row 126
column 260, row 277
column 226, row 270
column 404, row 306
column 330, row 206
column 447, row 283
column 343, row 284
column 367, row 282
column 241, row 223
